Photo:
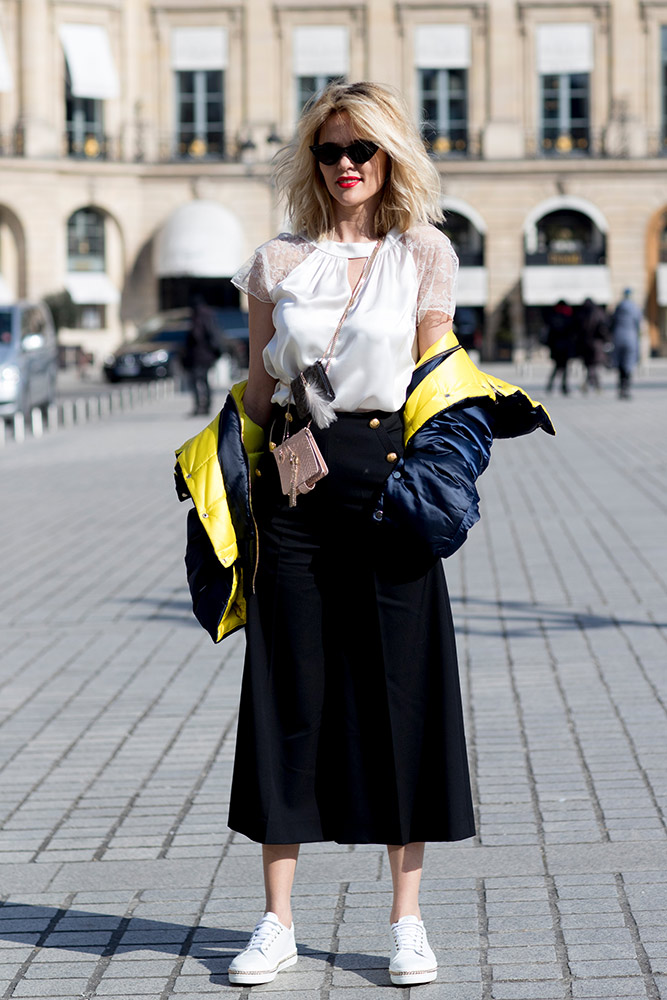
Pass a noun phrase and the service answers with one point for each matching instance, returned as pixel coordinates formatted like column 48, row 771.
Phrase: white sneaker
column 412, row 961
column 270, row 949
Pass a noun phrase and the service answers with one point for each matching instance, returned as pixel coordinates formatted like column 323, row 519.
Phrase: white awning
column 442, row 46
column 6, row 78
column 320, row 51
column 91, row 288
column 544, row 286
column 564, row 48
column 91, row 66
column 199, row 48
column 472, row 286
column 200, row 239
column 6, row 297
column 661, row 284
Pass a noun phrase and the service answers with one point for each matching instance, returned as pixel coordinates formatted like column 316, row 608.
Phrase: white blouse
column 413, row 274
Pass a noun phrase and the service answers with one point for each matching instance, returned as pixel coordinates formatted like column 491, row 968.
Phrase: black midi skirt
column 350, row 726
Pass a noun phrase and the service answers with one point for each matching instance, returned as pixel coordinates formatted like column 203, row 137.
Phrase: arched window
column 567, row 237
column 85, row 241
column 86, row 258
column 466, row 239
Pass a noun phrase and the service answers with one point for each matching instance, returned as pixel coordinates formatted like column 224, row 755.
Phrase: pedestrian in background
column 200, row 354
column 593, row 332
column 350, row 726
column 561, row 340
column 625, row 327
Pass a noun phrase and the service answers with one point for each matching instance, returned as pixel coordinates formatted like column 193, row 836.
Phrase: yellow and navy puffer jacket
column 451, row 415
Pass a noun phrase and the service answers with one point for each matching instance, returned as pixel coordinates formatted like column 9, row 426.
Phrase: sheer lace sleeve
column 270, row 264
column 437, row 266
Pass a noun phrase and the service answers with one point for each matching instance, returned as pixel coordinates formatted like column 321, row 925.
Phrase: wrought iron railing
column 140, row 143
column 11, row 141
column 457, row 143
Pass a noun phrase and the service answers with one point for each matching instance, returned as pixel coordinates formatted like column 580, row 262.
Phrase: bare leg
column 279, row 867
column 406, row 872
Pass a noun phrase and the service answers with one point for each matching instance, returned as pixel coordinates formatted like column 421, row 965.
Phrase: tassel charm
column 294, row 462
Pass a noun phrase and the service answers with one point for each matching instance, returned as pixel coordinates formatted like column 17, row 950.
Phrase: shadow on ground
column 524, row 618
column 108, row 935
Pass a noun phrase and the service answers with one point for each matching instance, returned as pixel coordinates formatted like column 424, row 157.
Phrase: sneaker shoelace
column 264, row 934
column 409, row 935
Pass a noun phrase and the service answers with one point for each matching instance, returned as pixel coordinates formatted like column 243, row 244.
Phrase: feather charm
column 319, row 406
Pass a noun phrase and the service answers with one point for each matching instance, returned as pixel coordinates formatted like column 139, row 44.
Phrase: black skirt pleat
column 350, row 725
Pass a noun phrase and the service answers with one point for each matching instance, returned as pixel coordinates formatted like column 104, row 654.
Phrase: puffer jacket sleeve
column 430, row 497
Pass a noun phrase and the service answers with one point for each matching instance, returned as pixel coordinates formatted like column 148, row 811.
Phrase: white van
column 28, row 358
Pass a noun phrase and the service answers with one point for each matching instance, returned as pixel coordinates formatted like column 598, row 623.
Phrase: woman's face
column 352, row 184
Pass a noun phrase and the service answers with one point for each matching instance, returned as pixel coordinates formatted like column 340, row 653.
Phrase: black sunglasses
column 359, row 151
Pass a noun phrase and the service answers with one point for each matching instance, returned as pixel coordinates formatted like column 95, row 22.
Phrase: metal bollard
column 52, row 417
column 80, row 408
column 67, row 412
column 3, row 432
column 19, row 427
column 105, row 405
column 36, row 422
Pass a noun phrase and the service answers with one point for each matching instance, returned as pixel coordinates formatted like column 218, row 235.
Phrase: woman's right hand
column 261, row 385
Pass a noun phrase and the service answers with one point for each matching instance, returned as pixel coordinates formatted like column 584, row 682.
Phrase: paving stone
column 555, row 597
column 613, row 988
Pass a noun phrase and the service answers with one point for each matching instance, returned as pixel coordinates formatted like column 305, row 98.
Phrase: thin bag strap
column 331, row 346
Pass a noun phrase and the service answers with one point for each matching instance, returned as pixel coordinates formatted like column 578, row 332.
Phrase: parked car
column 157, row 350
column 28, row 358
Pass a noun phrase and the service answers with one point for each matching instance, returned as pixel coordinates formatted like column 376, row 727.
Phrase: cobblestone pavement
column 118, row 875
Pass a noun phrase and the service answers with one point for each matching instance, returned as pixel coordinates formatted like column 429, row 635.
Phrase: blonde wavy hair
column 412, row 190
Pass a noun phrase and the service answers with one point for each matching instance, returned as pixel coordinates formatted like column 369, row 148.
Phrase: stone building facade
column 135, row 139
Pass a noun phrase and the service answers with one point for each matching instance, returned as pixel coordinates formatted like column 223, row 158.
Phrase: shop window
column 91, row 317
column 443, row 98
column 567, row 237
column 85, row 241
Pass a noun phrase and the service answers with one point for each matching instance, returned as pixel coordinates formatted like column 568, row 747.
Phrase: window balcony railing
column 561, row 145
column 11, row 141
column 90, row 144
column 195, row 148
column 456, row 143
column 139, row 143
column 657, row 142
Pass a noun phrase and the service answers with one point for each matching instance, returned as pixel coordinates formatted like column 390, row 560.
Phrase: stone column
column 503, row 135
column 42, row 89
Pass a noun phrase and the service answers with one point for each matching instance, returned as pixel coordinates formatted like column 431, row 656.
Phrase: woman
column 350, row 726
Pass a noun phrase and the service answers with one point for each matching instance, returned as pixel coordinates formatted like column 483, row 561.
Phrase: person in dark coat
column 561, row 341
column 199, row 355
column 625, row 326
column 592, row 336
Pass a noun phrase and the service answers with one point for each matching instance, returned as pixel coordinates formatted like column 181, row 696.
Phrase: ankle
column 284, row 914
column 398, row 912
